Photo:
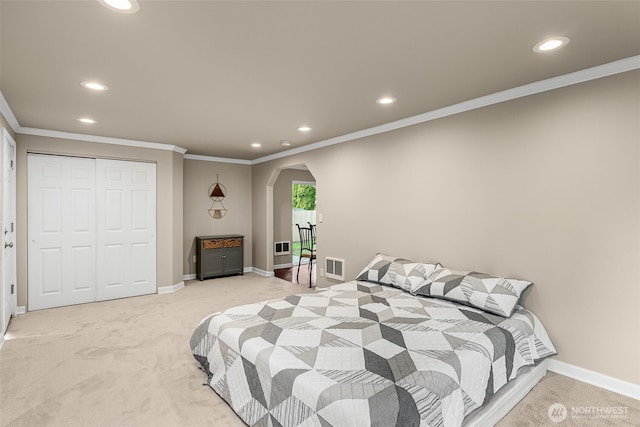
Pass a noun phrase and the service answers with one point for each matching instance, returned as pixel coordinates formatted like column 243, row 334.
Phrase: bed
column 374, row 351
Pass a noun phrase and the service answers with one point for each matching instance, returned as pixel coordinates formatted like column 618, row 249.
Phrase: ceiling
column 215, row 76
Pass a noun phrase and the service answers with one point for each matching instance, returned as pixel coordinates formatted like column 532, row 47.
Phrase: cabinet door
column 233, row 260
column 213, row 263
column 212, row 257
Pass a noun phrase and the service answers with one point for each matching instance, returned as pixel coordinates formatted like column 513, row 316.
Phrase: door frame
column 7, row 140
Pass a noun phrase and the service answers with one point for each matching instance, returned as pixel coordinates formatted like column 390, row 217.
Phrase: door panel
column 114, row 261
column 51, row 271
column 51, row 204
column 61, row 230
column 81, row 201
column 126, row 205
column 82, row 258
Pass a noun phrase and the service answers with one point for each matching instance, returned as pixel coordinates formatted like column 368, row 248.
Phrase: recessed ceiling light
column 285, row 143
column 385, row 100
column 99, row 87
column 304, row 128
column 123, row 6
column 86, row 120
column 256, row 145
column 551, row 44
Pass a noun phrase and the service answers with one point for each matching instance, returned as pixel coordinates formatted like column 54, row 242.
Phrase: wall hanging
column 217, row 192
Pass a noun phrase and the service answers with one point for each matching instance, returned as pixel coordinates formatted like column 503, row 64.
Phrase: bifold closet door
column 91, row 230
column 61, row 231
column 126, row 222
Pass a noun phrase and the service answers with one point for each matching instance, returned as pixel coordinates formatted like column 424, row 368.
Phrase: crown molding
column 216, row 159
column 8, row 113
column 600, row 71
column 100, row 139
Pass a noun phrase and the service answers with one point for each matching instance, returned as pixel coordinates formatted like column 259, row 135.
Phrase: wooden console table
column 219, row 255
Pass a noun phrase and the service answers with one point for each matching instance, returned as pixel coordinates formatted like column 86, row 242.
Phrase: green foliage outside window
column 304, row 197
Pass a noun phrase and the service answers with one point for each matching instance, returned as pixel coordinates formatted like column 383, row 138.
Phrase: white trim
column 21, row 310
column 100, row 139
column 1, row 340
column 194, row 277
column 279, row 266
column 6, row 111
column 170, row 289
column 262, row 272
column 600, row 71
column 593, row 73
column 8, row 139
column 594, row 378
column 216, row 159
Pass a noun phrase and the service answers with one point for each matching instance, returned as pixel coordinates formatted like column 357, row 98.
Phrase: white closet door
column 126, row 237
column 61, row 231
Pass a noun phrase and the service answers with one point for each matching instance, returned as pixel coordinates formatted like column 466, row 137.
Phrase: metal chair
column 313, row 233
column 307, row 248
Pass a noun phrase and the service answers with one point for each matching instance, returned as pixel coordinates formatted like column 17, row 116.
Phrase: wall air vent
column 334, row 268
column 282, row 248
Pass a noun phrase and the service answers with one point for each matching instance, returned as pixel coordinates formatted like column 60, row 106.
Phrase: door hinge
column 12, row 289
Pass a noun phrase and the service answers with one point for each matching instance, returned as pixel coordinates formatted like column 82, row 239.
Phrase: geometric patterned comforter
column 362, row 354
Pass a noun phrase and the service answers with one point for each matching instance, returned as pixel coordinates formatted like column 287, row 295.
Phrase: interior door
column 126, row 214
column 8, row 230
column 61, row 231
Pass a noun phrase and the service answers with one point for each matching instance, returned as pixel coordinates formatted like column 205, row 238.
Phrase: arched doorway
column 285, row 247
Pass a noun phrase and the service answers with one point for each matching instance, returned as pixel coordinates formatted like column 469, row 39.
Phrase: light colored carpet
column 128, row 363
column 581, row 402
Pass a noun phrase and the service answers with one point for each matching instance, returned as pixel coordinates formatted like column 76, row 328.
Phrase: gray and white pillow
column 492, row 294
column 397, row 272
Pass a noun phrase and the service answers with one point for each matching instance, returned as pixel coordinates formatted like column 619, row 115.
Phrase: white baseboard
column 594, row 378
column 21, row 310
column 245, row 270
column 260, row 272
column 279, row 266
column 1, row 340
column 169, row 289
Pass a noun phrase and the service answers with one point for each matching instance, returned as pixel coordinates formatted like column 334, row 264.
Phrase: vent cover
column 334, row 268
column 282, row 248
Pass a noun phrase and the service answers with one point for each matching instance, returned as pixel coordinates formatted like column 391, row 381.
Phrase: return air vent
column 334, row 268
column 282, row 248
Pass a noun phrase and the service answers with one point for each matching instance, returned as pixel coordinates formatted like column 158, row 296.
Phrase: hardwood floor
column 289, row 274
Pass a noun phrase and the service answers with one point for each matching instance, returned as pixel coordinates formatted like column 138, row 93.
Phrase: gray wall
column 545, row 188
column 198, row 176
